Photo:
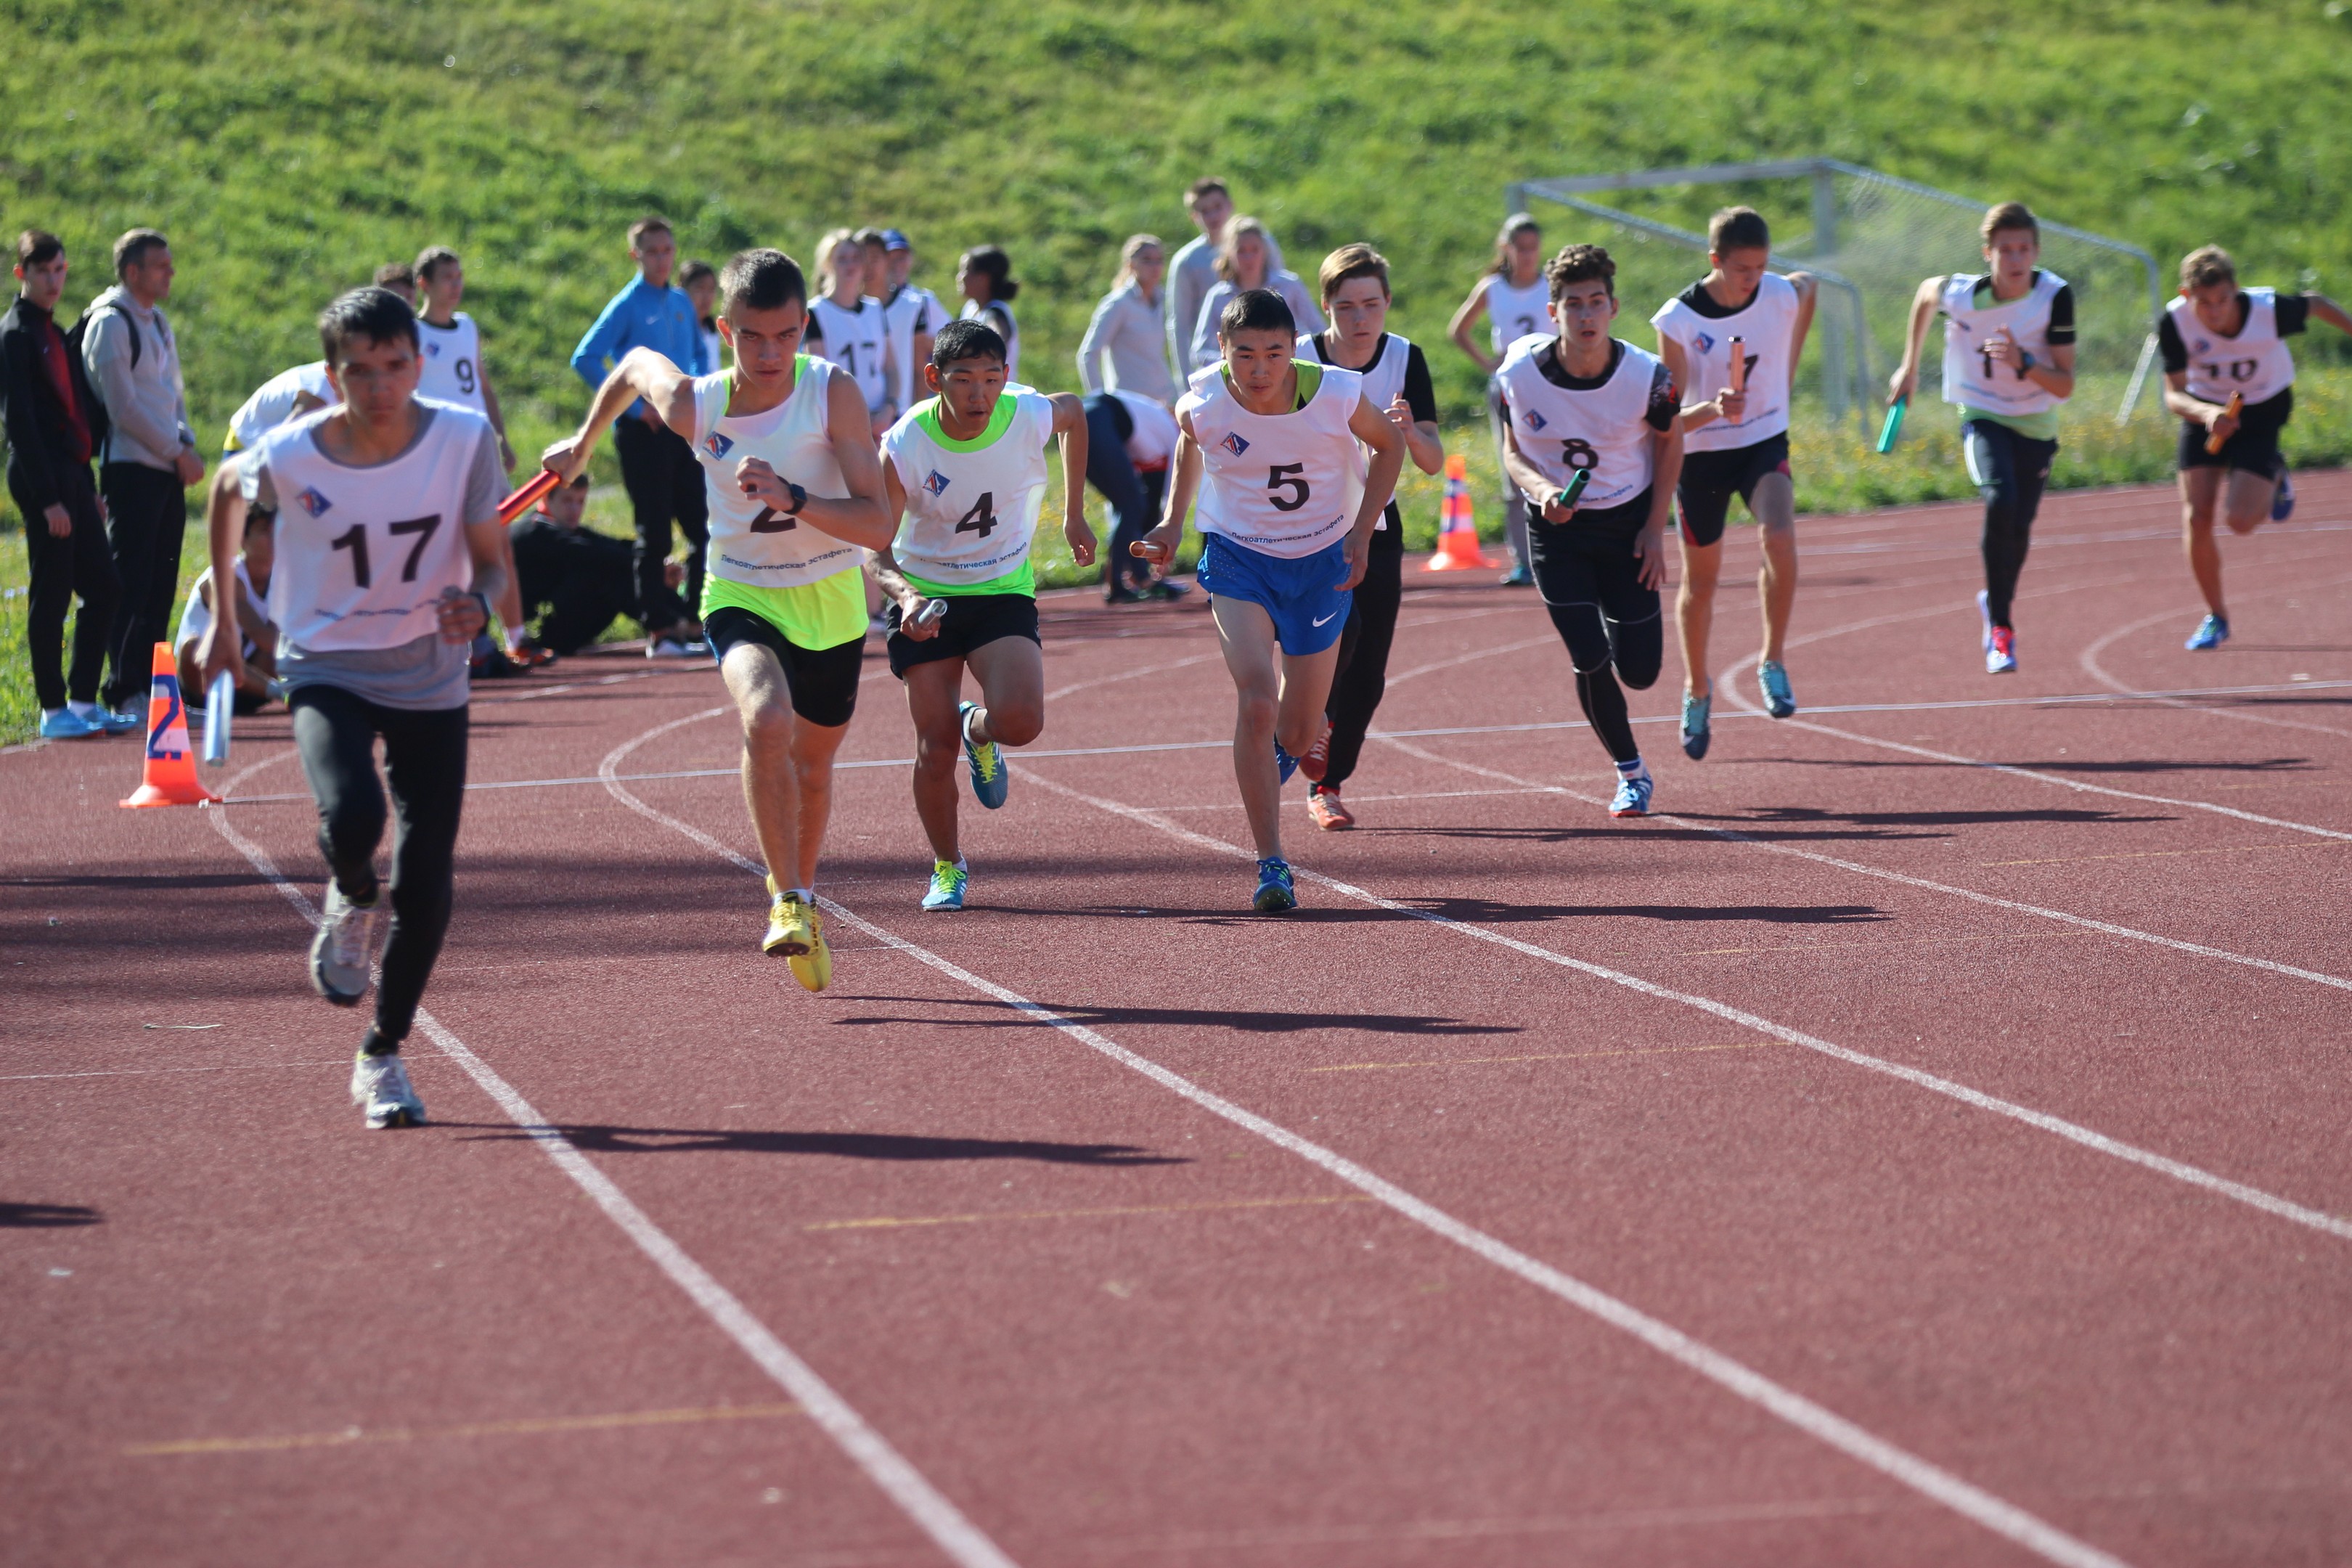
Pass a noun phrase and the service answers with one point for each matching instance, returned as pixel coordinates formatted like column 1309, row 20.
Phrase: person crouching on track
column 1287, row 506
column 258, row 682
column 389, row 549
column 794, row 492
column 966, row 470
column 1584, row 402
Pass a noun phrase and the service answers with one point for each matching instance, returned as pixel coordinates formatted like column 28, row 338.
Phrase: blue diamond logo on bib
column 312, row 501
column 1536, row 421
column 936, row 484
column 432, row 350
column 1235, row 444
column 1706, row 343
column 718, row 445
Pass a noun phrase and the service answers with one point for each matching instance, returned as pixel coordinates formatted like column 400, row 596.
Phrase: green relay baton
column 1893, row 426
column 1575, row 488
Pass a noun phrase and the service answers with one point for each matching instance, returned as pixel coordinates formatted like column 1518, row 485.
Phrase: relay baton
column 1738, row 365
column 540, row 485
column 933, row 613
column 2214, row 439
column 1893, row 426
column 219, row 698
column 1567, row 497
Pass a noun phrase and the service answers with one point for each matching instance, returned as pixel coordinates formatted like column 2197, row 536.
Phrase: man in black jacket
column 585, row 579
column 54, row 426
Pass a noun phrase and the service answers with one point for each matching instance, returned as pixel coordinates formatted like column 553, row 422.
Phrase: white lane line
column 932, row 1512
column 1990, row 1513
column 2254, row 1197
column 2089, row 660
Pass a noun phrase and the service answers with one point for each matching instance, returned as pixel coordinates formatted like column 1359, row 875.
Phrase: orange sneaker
column 1317, row 758
column 1328, row 814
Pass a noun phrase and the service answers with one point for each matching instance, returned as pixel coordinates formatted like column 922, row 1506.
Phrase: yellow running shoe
column 796, row 935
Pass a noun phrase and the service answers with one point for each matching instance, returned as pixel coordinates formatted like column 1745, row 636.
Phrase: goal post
column 1871, row 237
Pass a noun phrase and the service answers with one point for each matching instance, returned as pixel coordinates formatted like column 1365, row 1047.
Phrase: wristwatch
column 800, row 499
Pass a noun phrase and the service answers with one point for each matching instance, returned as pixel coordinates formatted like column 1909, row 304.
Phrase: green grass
column 288, row 149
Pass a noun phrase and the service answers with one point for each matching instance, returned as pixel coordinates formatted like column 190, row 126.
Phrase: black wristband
column 800, row 499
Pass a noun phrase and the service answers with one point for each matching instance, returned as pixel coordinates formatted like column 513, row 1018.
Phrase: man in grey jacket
column 150, row 457
column 1192, row 270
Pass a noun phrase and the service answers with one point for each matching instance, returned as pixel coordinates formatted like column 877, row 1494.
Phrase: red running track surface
column 1921, row 1143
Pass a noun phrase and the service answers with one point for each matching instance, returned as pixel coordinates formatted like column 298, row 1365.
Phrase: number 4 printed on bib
column 982, row 518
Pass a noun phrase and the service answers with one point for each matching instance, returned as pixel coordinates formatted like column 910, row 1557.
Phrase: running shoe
column 65, row 725
column 2282, row 498
column 380, row 1085
column 340, row 953
column 2211, row 632
column 796, row 935
column 130, row 721
column 1318, row 760
column 532, row 655
column 1633, row 796
column 672, row 648
column 1167, row 591
column 1517, row 577
column 1325, row 809
column 1778, row 701
column 948, row 877
column 1275, row 892
column 1696, row 735
column 990, row 777
column 1285, row 765
column 2000, row 652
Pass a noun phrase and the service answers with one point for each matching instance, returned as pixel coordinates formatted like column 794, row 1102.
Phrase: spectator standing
column 657, row 467
column 1249, row 260
column 701, row 281
column 910, row 313
column 401, row 278
column 1129, row 431
column 1192, row 270
column 54, row 425
column 984, row 275
column 1128, row 327
column 147, row 459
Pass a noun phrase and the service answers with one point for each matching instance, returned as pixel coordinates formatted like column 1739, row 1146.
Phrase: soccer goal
column 1869, row 237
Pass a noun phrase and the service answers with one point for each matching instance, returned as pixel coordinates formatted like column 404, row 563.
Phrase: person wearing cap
column 911, row 315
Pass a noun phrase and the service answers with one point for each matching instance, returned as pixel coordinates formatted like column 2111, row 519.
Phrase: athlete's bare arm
column 490, row 407
column 1809, row 299
column 1376, row 431
column 1531, row 480
column 1468, row 317
column 668, row 393
column 2054, row 375
column 1070, row 425
column 2329, row 311
column 1725, row 404
column 464, row 614
column 1159, row 546
column 1423, row 442
column 225, row 518
column 1905, row 379
column 1667, row 472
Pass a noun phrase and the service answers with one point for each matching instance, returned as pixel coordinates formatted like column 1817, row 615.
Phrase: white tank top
column 972, row 506
column 272, row 403
column 999, row 317
column 1974, row 379
column 2256, row 363
column 1605, row 430
column 907, row 313
column 853, row 340
column 1282, row 484
column 1383, row 383
column 452, row 360
column 1513, row 312
column 364, row 553
column 1766, row 327
column 751, row 542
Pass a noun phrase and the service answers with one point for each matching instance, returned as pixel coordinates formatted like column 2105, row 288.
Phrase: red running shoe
column 1323, row 806
column 1318, row 760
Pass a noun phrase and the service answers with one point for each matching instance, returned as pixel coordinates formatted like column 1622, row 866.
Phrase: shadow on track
column 890, row 1146
column 1488, row 911
column 44, row 1216
column 1915, row 818
column 1616, row 834
column 1256, row 1023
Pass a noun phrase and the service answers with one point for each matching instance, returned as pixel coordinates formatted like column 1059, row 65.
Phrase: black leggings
column 1591, row 582
column 2009, row 470
column 62, row 568
column 1362, row 677
column 424, row 759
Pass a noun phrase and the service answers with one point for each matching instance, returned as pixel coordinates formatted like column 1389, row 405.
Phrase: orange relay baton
column 2214, row 439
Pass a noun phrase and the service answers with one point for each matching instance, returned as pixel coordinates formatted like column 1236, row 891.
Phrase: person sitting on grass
column 582, row 579
column 256, row 681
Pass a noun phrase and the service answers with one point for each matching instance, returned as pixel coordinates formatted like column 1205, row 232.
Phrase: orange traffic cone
column 1457, row 535
column 170, row 778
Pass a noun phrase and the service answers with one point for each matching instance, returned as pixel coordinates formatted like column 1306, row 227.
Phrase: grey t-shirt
column 425, row 674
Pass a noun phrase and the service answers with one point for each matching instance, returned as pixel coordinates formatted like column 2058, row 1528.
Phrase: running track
column 1923, row 1144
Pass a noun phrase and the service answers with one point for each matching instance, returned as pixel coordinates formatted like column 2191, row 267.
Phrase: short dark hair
column 376, row 315
column 393, row 272
column 1581, row 264
column 2008, row 215
column 1209, row 185
column 694, row 272
column 132, row 248
column 990, row 262
column 869, row 235
column 651, row 222
column 1357, row 260
column 36, row 247
column 1737, row 229
column 2207, row 264
column 970, row 338
column 761, row 279
column 429, row 260
column 1257, row 311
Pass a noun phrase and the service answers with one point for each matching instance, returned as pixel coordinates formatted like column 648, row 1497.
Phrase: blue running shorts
column 1302, row 595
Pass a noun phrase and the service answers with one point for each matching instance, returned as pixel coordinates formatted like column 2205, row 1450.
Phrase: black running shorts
column 1710, row 479
column 972, row 621
column 2253, row 447
column 823, row 680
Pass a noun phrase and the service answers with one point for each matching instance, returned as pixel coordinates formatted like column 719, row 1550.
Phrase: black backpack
column 101, row 425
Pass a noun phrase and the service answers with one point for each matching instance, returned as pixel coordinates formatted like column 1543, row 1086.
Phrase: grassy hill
column 288, row 149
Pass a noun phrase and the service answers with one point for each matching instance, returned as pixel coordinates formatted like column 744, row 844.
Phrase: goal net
column 1870, row 238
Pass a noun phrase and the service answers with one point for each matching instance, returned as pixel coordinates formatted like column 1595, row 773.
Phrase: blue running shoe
column 947, row 880
column 123, row 721
column 1276, row 891
column 1285, row 765
column 65, row 725
column 1778, row 701
column 2282, row 498
column 1695, row 731
column 1632, row 797
column 989, row 781
column 2211, row 632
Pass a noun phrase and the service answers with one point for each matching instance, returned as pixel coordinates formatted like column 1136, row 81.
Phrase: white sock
column 805, row 895
column 965, row 723
column 79, row 709
column 1633, row 770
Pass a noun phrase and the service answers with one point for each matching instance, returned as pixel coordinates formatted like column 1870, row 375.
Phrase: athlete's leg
column 780, row 752
column 1773, row 504
column 1566, row 578
column 1246, row 633
column 335, row 736
column 1012, row 676
column 425, row 762
column 2200, row 494
column 1695, row 611
column 1992, row 451
column 1360, row 678
column 934, row 689
column 2246, row 503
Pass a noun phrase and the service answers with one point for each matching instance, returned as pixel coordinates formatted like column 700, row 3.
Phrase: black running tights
column 1591, row 582
column 424, row 760
column 1363, row 677
column 2009, row 470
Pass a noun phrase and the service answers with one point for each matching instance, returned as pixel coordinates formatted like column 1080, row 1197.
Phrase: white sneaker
column 340, row 953
column 668, row 647
column 380, row 1085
